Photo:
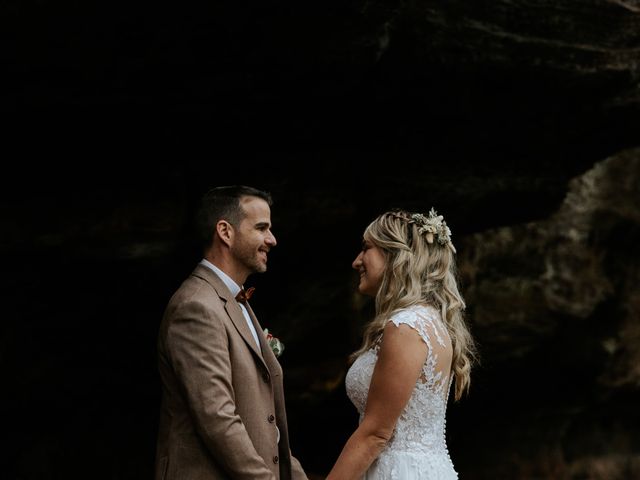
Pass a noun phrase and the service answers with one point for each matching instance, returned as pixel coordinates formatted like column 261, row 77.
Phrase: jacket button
column 266, row 377
column 271, row 418
column 275, row 459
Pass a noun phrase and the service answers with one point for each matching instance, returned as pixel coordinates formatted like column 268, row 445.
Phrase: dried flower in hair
column 432, row 227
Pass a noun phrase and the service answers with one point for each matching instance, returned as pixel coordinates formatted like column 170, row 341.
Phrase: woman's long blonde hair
column 419, row 271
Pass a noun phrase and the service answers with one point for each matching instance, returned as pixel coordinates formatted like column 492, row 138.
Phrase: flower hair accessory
column 433, row 226
column 274, row 342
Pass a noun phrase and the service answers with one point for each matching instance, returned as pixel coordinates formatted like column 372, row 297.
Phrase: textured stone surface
column 554, row 304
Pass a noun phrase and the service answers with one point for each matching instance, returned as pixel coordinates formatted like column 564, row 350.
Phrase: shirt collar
column 231, row 285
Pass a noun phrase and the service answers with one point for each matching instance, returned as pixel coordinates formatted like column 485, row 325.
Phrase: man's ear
column 225, row 232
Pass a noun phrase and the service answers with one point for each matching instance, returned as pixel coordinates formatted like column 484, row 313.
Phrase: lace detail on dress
column 418, row 447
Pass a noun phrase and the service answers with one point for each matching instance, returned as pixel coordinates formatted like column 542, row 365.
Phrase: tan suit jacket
column 222, row 396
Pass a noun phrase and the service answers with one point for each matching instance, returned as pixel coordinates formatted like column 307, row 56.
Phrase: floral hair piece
column 433, row 225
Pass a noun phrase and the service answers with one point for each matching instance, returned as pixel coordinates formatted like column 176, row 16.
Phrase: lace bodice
column 420, row 430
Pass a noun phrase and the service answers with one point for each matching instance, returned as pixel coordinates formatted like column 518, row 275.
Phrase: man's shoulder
column 195, row 288
column 193, row 299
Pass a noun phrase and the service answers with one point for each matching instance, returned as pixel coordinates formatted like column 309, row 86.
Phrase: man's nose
column 271, row 240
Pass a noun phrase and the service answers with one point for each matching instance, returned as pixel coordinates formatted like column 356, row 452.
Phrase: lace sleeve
column 427, row 322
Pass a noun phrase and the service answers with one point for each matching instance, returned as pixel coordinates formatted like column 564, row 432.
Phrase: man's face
column 254, row 239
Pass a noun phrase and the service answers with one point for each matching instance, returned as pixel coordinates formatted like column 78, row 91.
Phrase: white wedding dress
column 418, row 448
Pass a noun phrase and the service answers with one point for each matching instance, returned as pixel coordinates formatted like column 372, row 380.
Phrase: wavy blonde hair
column 418, row 272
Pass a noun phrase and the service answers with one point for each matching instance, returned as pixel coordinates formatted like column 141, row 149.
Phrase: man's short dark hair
column 223, row 203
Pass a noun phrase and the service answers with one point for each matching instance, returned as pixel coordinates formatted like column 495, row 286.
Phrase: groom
column 223, row 410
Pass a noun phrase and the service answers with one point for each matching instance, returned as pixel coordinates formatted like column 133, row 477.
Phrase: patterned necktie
column 243, row 295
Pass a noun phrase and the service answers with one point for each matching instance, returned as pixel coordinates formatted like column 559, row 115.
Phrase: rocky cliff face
column 554, row 306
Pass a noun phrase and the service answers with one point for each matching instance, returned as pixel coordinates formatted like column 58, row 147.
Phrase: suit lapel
column 237, row 317
column 233, row 309
column 267, row 354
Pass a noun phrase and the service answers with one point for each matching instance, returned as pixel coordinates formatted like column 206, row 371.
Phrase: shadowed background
column 518, row 121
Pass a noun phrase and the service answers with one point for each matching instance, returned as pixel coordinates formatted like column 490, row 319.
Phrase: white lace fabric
column 418, row 448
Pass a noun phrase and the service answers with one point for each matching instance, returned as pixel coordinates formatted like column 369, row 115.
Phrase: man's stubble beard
column 249, row 258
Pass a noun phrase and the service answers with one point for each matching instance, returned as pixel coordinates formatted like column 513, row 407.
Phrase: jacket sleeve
column 198, row 348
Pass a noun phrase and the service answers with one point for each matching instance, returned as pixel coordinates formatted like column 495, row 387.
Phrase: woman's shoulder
column 423, row 318
column 414, row 313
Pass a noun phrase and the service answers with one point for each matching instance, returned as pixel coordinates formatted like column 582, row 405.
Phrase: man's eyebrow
column 263, row 224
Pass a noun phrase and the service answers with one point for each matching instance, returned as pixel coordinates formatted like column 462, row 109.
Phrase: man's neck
column 227, row 267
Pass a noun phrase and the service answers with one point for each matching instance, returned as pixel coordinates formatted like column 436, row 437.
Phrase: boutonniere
column 274, row 342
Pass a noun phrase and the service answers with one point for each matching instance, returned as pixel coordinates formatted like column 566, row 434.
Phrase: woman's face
column 370, row 264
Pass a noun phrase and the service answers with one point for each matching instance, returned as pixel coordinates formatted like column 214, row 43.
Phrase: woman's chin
column 362, row 288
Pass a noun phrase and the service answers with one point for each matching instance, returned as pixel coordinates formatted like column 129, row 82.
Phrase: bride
column 415, row 348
